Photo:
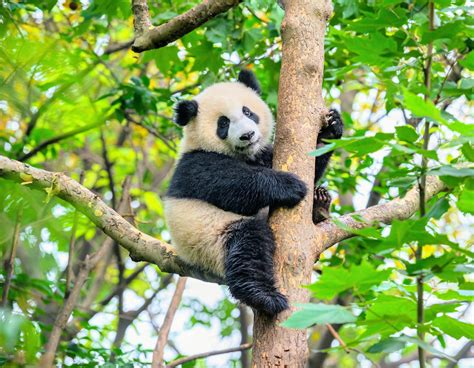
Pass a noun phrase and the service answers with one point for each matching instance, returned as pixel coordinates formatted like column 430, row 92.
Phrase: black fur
column 333, row 130
column 234, row 185
column 250, row 80
column 250, row 114
column 223, row 124
column 263, row 158
column 249, row 266
column 185, row 111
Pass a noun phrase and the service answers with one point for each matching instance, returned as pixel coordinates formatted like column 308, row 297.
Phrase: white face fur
column 231, row 119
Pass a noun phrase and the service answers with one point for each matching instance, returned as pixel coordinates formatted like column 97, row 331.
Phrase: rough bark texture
column 300, row 114
column 179, row 26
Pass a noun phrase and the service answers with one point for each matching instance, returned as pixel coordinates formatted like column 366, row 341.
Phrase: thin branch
column 72, row 247
column 9, row 266
column 60, row 322
column 177, row 27
column 420, row 310
column 157, row 361
column 142, row 247
column 463, row 353
column 396, row 209
column 58, row 138
column 190, row 358
column 116, row 47
column 334, row 333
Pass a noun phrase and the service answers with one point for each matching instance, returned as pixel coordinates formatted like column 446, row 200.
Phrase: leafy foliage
column 74, row 100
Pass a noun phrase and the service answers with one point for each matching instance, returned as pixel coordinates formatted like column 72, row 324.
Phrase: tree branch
column 10, row 263
column 157, row 361
column 190, row 358
column 141, row 246
column 170, row 31
column 397, row 209
column 141, row 19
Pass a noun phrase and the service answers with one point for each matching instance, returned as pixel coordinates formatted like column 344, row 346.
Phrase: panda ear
column 184, row 111
column 248, row 78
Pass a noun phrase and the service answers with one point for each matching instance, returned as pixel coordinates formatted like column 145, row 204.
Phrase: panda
column 222, row 182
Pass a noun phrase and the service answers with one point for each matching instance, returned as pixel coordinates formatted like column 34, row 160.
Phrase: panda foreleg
column 248, row 266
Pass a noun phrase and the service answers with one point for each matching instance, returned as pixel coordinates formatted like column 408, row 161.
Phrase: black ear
column 250, row 80
column 184, row 111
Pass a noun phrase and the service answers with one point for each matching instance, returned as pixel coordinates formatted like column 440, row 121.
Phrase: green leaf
column 466, row 201
column 389, row 345
column 335, row 280
column 419, row 107
column 468, row 151
column 468, row 61
column 406, row 133
column 425, row 346
column 312, row 314
column 448, row 170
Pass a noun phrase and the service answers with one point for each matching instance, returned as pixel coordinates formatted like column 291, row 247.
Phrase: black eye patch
column 250, row 114
column 223, row 127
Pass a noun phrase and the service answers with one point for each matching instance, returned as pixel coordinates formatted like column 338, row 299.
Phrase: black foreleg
column 249, row 269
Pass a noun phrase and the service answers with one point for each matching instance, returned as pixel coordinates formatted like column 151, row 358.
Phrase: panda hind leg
column 249, row 271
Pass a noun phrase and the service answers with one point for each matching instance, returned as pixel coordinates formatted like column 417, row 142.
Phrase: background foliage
column 74, row 98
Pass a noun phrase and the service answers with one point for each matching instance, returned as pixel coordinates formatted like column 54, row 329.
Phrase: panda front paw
column 334, row 127
column 293, row 190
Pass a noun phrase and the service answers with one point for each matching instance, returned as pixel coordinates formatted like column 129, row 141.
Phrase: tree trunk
column 300, row 112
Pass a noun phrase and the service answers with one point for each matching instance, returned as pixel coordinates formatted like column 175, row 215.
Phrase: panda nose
column 247, row 136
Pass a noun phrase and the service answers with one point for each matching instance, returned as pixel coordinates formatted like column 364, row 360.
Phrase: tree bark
column 300, row 115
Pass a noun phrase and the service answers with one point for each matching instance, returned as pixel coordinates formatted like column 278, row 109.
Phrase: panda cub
column 223, row 178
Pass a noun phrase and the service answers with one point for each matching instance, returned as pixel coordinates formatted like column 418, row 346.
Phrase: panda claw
column 321, row 204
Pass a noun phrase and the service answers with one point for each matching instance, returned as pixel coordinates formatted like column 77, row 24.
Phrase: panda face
column 240, row 130
column 228, row 118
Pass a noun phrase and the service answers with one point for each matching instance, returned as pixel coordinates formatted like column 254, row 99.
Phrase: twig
column 157, row 361
column 177, row 27
column 9, row 266
column 72, row 247
column 117, row 47
column 47, row 359
column 463, row 353
column 59, row 138
column 337, row 337
column 190, row 358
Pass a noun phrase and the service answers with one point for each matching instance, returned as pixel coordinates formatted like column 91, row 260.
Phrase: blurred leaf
column 312, row 314
column 389, row 345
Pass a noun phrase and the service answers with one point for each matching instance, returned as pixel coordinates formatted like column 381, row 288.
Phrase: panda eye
column 223, row 121
column 246, row 111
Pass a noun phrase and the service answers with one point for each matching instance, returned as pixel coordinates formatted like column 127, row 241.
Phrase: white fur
column 225, row 99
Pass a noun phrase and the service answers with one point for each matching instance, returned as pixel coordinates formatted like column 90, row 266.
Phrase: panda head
column 229, row 118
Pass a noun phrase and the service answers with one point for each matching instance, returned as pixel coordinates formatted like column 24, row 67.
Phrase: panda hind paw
column 321, row 204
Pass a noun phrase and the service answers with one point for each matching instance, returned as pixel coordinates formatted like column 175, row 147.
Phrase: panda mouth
column 248, row 145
